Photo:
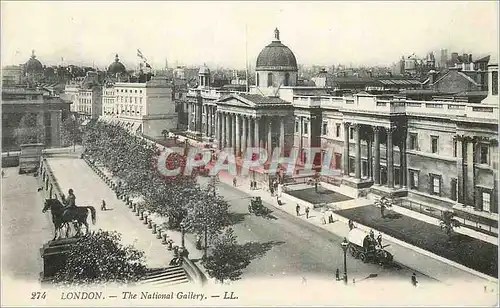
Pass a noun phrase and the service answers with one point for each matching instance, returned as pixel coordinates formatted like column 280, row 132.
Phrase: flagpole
column 246, row 57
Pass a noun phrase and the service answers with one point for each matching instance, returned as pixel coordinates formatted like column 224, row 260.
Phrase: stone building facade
column 441, row 155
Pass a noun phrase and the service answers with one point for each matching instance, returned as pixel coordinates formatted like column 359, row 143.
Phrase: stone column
column 238, row 131
column 346, row 148
column 244, row 135
column 233, row 132
column 55, row 127
column 282, row 136
column 369, row 161
column 200, row 118
column 269, row 125
column 460, row 169
column 301, row 132
column 376, row 159
column 225, row 135
column 188, row 108
column 357, row 139
column 256, row 132
column 390, row 158
column 471, row 187
column 404, row 168
column 249, row 132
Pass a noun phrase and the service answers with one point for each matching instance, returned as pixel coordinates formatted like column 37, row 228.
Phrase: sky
column 227, row 33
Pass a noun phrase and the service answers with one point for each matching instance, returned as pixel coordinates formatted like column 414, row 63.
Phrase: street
column 24, row 227
column 287, row 246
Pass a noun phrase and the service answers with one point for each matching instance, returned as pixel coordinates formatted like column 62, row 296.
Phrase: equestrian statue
column 67, row 212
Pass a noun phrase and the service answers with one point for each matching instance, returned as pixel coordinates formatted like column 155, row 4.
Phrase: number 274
column 38, row 295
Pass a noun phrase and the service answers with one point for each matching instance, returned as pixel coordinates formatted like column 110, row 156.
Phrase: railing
column 421, row 208
column 193, row 271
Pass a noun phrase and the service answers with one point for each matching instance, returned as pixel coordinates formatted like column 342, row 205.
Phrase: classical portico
column 363, row 164
column 248, row 120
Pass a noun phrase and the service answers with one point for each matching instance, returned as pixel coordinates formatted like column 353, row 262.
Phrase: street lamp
column 345, row 245
column 183, row 233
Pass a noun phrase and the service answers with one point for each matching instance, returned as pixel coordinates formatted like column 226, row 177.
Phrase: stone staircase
column 166, row 276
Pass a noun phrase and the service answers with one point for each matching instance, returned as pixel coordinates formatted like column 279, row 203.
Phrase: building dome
column 33, row 65
column 204, row 70
column 116, row 67
column 276, row 57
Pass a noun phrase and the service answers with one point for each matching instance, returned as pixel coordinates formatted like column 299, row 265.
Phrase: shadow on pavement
column 236, row 218
column 257, row 250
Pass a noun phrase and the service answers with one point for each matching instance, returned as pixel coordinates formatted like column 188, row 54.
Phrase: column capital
column 391, row 129
column 355, row 126
column 376, row 129
column 347, row 124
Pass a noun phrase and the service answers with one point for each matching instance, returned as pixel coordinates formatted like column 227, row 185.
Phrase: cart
column 365, row 247
column 256, row 206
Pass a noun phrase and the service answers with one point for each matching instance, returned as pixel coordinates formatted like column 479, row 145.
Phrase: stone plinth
column 54, row 255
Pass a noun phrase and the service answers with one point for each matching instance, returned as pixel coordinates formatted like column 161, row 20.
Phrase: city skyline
column 321, row 33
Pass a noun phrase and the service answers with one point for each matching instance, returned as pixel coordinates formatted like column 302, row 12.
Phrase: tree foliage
column 134, row 161
column 71, row 131
column 228, row 259
column 29, row 130
column 99, row 258
column 449, row 223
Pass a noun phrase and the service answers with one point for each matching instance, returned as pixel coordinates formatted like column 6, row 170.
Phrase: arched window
column 258, row 83
column 287, row 79
column 270, row 79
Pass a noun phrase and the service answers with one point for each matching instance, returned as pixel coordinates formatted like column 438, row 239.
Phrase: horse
column 62, row 216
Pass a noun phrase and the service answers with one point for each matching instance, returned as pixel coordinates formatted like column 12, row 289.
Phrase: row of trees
column 181, row 199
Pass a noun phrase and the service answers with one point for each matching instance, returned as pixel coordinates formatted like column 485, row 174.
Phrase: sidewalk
column 90, row 189
column 407, row 255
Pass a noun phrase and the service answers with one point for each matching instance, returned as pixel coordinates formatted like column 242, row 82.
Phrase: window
column 306, row 126
column 258, row 83
column 434, row 144
column 486, row 201
column 494, row 83
column 413, row 141
column 297, row 126
column 351, row 133
column 435, row 183
column 454, row 147
column 413, row 179
column 352, row 164
column 483, row 154
column 287, row 79
column 135, row 91
column 324, row 130
column 270, row 79
column 337, row 130
column 453, row 188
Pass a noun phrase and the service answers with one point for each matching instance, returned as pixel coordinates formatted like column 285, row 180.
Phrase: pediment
column 236, row 101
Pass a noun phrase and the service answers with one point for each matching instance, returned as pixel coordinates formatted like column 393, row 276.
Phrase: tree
column 228, row 259
column 70, row 131
column 449, row 223
column 207, row 215
column 100, row 258
column 30, row 130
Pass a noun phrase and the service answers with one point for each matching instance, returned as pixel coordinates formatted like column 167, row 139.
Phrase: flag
column 139, row 54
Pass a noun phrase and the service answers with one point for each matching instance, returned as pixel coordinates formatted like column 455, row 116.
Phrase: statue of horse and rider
column 66, row 212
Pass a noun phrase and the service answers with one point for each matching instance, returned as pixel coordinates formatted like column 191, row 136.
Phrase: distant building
column 145, row 107
column 12, row 75
column 19, row 101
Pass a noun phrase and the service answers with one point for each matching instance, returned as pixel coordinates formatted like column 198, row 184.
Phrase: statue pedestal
column 54, row 255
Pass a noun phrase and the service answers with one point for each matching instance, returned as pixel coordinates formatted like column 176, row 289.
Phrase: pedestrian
column 330, row 216
column 297, row 209
column 3, row 173
column 198, row 242
column 351, row 224
column 379, row 239
column 272, row 191
column 337, row 275
column 103, row 205
column 414, row 280
column 234, row 181
column 251, row 185
column 307, row 212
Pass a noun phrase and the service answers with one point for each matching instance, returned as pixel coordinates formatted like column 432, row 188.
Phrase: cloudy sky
column 215, row 33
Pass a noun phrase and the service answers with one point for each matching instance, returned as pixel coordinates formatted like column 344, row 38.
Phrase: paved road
column 292, row 247
column 24, row 227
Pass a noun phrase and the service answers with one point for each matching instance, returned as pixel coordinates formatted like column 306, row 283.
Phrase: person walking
column 351, row 224
column 337, row 275
column 307, row 212
column 297, row 209
column 103, row 205
column 414, row 280
column 234, row 181
column 3, row 174
column 379, row 239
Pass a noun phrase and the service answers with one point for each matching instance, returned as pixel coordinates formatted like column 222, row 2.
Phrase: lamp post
column 345, row 245
column 183, row 233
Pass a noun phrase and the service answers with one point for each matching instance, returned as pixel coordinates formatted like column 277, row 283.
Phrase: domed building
column 116, row 68
column 33, row 66
column 276, row 65
column 204, row 77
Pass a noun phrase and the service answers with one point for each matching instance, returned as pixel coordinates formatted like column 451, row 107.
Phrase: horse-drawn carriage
column 256, row 206
column 365, row 247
